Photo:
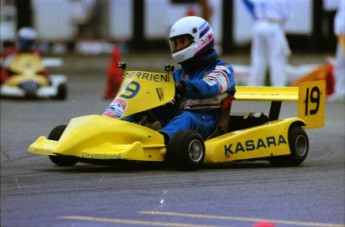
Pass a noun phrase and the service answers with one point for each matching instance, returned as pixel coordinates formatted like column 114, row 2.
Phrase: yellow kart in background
column 27, row 82
column 253, row 136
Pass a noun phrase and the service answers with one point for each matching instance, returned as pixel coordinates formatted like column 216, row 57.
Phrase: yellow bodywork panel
column 312, row 103
column 15, row 80
column 141, row 91
column 253, row 93
column 100, row 137
column 26, row 63
column 270, row 139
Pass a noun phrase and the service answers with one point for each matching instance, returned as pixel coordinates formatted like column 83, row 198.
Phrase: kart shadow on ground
column 142, row 166
column 119, row 167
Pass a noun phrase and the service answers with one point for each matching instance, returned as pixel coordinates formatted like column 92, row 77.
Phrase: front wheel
column 61, row 92
column 55, row 134
column 186, row 150
column 299, row 146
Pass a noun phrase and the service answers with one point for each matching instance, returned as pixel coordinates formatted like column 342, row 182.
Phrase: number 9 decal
column 131, row 90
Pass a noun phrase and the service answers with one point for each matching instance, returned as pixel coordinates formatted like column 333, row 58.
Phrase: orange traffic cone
column 114, row 75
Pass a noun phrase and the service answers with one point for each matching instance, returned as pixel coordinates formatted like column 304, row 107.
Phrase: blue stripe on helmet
column 204, row 28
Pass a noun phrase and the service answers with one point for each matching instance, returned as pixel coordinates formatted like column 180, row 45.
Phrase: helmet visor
column 181, row 42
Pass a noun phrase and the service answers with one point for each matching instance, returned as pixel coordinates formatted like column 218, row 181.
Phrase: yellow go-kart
column 27, row 82
column 102, row 139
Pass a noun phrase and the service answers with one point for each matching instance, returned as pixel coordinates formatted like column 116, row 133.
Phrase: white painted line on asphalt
column 133, row 222
column 233, row 218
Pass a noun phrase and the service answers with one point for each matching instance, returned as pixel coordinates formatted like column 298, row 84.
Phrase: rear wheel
column 55, row 134
column 299, row 146
column 185, row 151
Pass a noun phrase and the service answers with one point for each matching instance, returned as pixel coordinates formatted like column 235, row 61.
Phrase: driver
column 26, row 43
column 202, row 81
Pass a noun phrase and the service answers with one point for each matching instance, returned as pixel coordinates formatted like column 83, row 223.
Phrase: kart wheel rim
column 301, row 145
column 195, row 151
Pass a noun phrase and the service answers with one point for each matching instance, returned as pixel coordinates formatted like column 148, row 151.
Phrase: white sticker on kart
column 116, row 109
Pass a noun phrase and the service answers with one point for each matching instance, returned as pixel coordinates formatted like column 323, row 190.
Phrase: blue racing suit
column 201, row 86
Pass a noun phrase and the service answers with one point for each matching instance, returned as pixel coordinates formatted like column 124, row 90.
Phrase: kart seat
column 223, row 117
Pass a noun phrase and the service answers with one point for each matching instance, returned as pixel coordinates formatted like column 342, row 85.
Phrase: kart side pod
column 281, row 142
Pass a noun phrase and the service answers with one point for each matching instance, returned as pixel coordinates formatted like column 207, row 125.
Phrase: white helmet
column 27, row 38
column 200, row 32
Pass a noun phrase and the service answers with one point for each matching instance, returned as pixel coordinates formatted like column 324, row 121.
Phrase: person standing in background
column 270, row 47
column 339, row 69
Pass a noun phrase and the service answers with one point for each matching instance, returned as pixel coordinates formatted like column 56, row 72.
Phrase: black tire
column 299, row 147
column 55, row 134
column 62, row 92
column 185, row 151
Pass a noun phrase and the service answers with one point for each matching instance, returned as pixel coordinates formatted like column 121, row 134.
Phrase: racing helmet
column 27, row 38
column 200, row 33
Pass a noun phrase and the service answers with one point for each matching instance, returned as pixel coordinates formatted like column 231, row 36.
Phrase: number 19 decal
column 312, row 96
column 311, row 103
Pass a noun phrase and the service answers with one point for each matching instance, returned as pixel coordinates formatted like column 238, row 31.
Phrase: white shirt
column 339, row 20
column 277, row 10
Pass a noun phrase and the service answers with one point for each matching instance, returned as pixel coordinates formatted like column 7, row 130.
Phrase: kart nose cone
column 30, row 87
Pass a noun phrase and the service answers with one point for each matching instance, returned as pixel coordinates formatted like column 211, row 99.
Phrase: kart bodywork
column 27, row 82
column 249, row 136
